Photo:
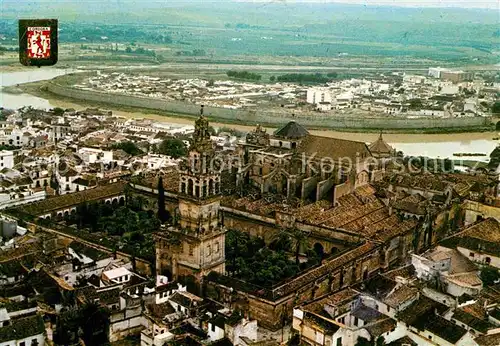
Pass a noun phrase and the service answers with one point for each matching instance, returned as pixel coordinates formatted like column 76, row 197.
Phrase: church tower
column 195, row 245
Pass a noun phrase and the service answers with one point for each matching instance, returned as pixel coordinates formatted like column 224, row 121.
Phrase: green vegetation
column 489, row 275
column 127, row 227
column 249, row 259
column 129, row 147
column 304, row 78
column 380, row 341
column 244, row 75
column 496, row 108
column 194, row 52
column 172, row 147
column 91, row 321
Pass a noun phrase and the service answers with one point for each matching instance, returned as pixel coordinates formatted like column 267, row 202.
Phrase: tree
column 128, row 50
column 496, row 107
column 173, row 147
column 298, row 240
column 58, row 111
column 272, row 78
column 128, row 147
column 363, row 342
column 161, row 201
column 489, row 275
column 94, row 320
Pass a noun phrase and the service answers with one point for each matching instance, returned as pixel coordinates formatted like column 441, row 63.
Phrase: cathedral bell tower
column 195, row 246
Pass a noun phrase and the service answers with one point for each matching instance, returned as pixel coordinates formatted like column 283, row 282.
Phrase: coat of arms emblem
column 38, row 42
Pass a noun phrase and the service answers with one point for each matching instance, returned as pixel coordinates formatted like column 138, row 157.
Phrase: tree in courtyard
column 161, row 201
column 489, row 275
column 173, row 147
column 297, row 239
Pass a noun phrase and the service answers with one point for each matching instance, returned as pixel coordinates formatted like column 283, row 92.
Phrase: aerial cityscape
column 250, row 173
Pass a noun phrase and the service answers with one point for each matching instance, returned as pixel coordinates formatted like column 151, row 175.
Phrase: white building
column 435, row 72
column 6, row 159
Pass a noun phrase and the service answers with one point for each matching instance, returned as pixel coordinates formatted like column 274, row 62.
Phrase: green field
column 266, row 33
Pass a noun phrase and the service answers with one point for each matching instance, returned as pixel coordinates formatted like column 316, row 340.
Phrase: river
column 431, row 145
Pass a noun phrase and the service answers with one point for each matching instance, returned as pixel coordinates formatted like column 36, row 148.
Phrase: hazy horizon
column 465, row 4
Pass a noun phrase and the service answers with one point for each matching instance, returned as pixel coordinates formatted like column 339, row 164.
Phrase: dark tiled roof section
column 333, row 148
column 483, row 236
column 439, row 326
column 380, row 327
column 321, row 322
column 366, row 313
column 22, row 328
column 344, row 296
column 160, row 310
column 488, row 340
column 420, row 307
column 292, row 130
column 472, row 321
column 68, row 200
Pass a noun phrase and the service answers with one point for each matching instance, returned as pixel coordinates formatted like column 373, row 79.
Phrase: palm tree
column 296, row 238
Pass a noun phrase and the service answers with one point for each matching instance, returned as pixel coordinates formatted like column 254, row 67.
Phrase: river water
column 431, row 145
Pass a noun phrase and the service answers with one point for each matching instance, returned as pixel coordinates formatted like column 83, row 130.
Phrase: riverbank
column 129, row 104
column 58, row 101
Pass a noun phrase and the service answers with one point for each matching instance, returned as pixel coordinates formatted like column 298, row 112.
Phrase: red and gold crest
column 38, row 42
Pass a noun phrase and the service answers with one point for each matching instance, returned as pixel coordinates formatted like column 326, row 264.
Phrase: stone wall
column 276, row 116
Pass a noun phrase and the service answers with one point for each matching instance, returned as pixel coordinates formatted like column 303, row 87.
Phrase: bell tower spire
column 200, row 234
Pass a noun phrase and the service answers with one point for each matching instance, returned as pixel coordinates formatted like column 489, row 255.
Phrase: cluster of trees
column 194, row 52
column 89, row 322
column 489, row 275
column 305, row 78
column 380, row 341
column 250, row 259
column 129, row 147
column 129, row 220
column 496, row 108
column 244, row 75
column 172, row 147
column 140, row 51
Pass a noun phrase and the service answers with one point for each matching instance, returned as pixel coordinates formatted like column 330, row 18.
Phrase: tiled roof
column 71, row 199
column 439, row 326
column 483, row 236
column 292, row 130
column 472, row 321
column 328, row 326
column 333, row 148
column 380, row 146
column 323, row 270
column 380, row 327
column 343, row 296
column 421, row 307
column 401, row 295
column 488, row 340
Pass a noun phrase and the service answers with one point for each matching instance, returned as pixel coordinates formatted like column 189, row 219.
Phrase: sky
column 492, row 4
